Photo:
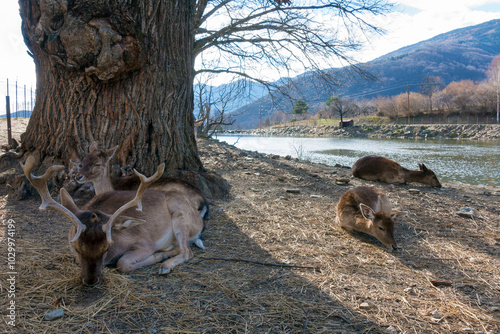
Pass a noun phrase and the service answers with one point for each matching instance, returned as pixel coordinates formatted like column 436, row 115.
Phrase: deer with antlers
column 108, row 230
column 95, row 168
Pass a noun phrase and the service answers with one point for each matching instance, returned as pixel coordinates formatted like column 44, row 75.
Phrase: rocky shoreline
column 446, row 131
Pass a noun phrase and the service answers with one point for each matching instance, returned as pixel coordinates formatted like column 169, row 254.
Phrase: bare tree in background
column 213, row 104
column 341, row 107
column 250, row 39
column 494, row 78
column 429, row 86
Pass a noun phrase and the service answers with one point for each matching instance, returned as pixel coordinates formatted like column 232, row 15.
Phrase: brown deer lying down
column 95, row 168
column 368, row 210
column 108, row 229
column 377, row 168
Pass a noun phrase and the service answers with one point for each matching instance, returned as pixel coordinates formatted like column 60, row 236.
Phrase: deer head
column 429, row 177
column 91, row 233
column 382, row 225
column 95, row 165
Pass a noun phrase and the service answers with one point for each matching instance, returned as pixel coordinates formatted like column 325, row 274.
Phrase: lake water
column 468, row 162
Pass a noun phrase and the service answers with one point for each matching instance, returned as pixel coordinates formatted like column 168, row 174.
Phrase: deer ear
column 93, row 147
column 123, row 222
column 68, row 202
column 366, row 211
column 111, row 152
column 422, row 167
column 397, row 216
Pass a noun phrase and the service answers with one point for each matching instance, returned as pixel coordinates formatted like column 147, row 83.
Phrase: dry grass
column 358, row 287
column 18, row 125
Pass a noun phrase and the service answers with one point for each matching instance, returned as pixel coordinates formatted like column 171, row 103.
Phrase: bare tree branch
column 284, row 36
column 260, row 40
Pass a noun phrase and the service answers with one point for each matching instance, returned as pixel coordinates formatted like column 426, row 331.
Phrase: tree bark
column 115, row 72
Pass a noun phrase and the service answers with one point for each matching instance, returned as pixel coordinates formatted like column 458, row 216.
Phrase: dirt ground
column 444, row 279
column 18, row 126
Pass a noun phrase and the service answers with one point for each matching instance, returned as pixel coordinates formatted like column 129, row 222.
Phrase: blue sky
column 412, row 22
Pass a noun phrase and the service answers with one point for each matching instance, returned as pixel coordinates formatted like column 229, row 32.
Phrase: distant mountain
column 236, row 94
column 462, row 54
column 19, row 113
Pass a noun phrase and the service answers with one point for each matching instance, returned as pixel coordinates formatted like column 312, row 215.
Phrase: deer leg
column 132, row 260
column 395, row 177
column 181, row 233
column 136, row 259
column 131, row 264
column 347, row 228
column 162, row 255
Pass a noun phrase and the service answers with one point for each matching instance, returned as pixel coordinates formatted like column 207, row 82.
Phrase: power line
column 402, row 85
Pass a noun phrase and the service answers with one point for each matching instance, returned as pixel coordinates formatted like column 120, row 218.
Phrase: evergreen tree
column 300, row 107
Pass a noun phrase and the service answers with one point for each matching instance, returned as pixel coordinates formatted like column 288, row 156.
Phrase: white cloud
column 424, row 19
column 15, row 63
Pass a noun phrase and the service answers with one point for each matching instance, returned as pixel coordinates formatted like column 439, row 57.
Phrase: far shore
column 423, row 131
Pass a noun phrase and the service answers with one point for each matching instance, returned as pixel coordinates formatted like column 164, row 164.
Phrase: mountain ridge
column 461, row 54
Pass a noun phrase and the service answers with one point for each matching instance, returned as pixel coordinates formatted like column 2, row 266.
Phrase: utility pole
column 408, row 94
column 260, row 117
column 17, row 103
column 7, row 105
column 498, row 94
column 25, row 106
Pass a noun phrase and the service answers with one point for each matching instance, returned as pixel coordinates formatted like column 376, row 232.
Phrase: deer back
column 95, row 168
column 368, row 210
column 377, row 168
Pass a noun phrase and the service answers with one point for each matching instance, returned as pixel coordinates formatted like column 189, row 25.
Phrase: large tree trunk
column 115, row 72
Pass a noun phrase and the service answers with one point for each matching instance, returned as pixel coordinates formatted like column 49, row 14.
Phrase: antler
column 137, row 201
column 40, row 184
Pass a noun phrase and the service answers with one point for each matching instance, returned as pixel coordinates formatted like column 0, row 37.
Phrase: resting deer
column 107, row 230
column 368, row 210
column 95, row 168
column 377, row 168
